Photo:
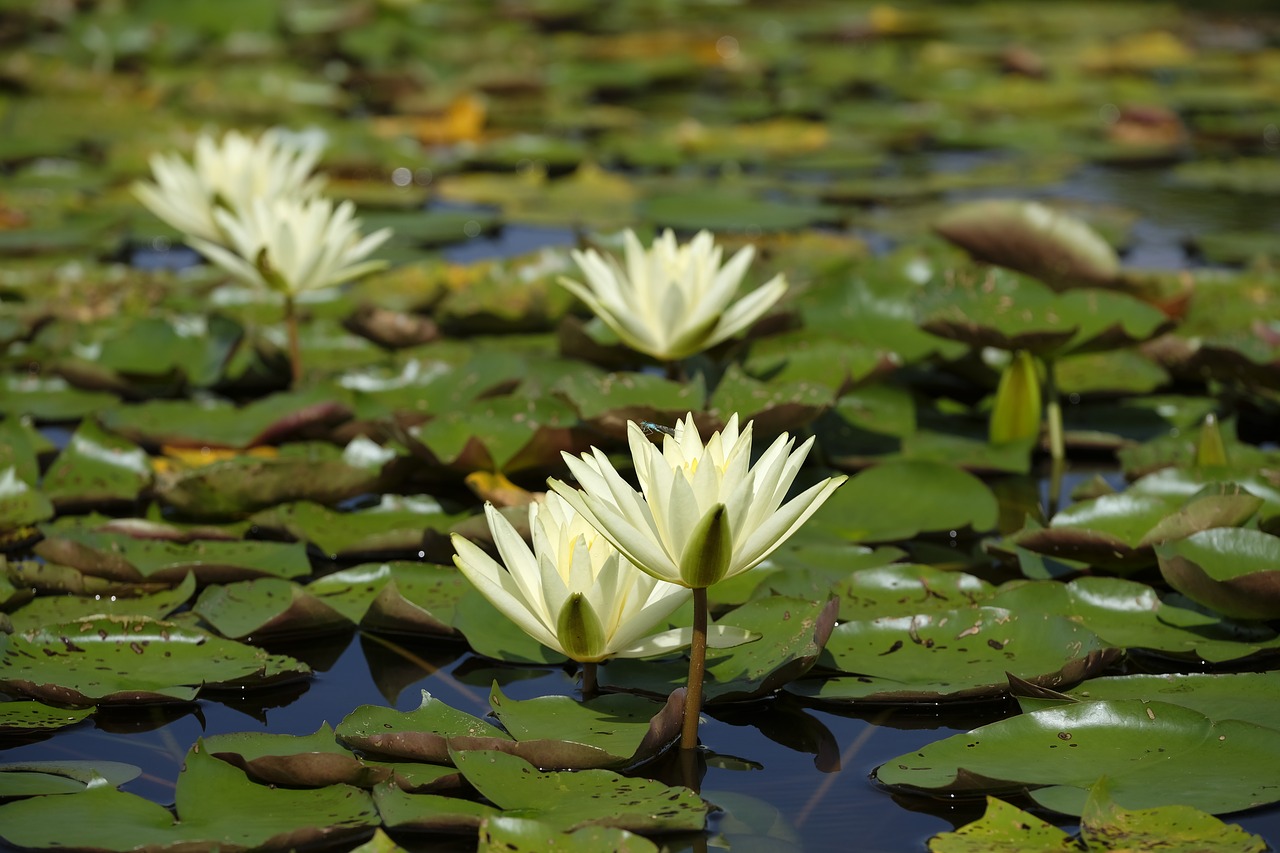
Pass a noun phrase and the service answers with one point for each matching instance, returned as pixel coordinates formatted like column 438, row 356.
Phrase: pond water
column 787, row 774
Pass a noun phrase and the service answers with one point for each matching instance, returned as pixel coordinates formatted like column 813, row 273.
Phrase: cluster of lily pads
column 178, row 498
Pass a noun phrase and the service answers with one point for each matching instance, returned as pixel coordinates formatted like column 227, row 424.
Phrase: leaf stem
column 1053, row 411
column 295, row 349
column 697, row 671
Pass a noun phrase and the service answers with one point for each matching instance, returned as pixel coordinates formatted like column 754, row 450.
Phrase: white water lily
column 230, row 174
column 573, row 592
column 293, row 245
column 672, row 301
column 703, row 512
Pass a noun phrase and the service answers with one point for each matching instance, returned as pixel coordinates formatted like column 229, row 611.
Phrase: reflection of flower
column 672, row 301
column 292, row 245
column 573, row 592
column 703, row 512
column 229, row 174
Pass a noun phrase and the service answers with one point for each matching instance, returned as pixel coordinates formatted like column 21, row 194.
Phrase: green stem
column 1053, row 412
column 590, row 687
column 295, row 349
column 697, row 671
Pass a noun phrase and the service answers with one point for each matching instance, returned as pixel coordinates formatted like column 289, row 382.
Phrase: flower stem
column 295, row 349
column 590, row 686
column 697, row 670
column 1053, row 412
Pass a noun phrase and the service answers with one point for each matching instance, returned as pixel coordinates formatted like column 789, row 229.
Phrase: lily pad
column 399, row 597
column 502, row 434
column 306, row 761
column 1053, row 247
column 1121, row 531
column 120, row 556
column 266, row 609
column 792, row 633
column 216, row 805
column 132, row 660
column 29, row 716
column 216, row 423
column 58, row 609
column 21, row 505
column 579, row 799
column 954, row 654
column 503, row 833
column 37, row 778
column 552, row 731
column 1247, row 696
column 899, row 500
column 96, row 468
column 397, row 524
column 1154, row 753
column 1231, row 570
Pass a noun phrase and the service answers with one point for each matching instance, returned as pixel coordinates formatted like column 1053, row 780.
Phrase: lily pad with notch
column 1154, row 753
column 1231, row 570
column 217, row 806
column 396, row 598
column 132, row 660
column 611, row 731
column 953, row 654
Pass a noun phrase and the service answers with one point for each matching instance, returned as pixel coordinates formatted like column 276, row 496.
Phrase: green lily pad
column 775, row 406
column 216, row 805
column 20, row 448
column 398, row 597
column 1154, row 753
column 266, row 608
column 1178, row 828
column 995, row 308
column 1004, row 829
column 395, row 525
column 504, row 833
column 792, row 633
column 607, row 402
column 59, row 609
column 132, row 660
column 21, row 505
column 954, row 654
column 238, row 487
column 120, row 556
column 502, row 434
column 899, row 500
column 719, row 209
column 216, row 423
column 36, row 778
column 1130, row 615
column 905, row 590
column 28, row 716
column 298, row 761
column 1231, row 570
column 552, row 731
column 581, row 798
column 493, row 635
column 1247, row 696
column 1121, row 531
column 833, row 362
column 96, row 468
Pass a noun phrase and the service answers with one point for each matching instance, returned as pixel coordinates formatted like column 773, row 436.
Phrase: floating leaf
column 96, row 468
column 1231, row 570
column 28, row 716
column 129, row 660
column 1154, row 754
column 216, row 805
column 954, row 654
column 1054, row 247
column 266, row 608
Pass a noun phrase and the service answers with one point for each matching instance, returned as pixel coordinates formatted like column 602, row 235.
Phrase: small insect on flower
column 650, row 427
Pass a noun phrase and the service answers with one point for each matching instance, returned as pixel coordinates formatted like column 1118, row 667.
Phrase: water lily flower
column 229, row 174
column 292, row 245
column 573, row 592
column 704, row 512
column 672, row 301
